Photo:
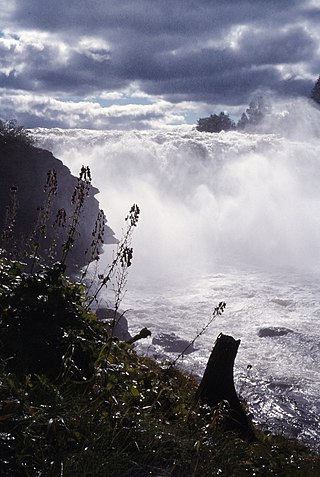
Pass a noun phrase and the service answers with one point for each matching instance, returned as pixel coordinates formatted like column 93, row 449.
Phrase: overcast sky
column 148, row 63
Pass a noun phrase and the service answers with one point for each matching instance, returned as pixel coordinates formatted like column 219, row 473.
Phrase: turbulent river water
column 228, row 217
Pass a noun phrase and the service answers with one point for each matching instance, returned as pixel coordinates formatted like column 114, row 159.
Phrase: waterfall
column 232, row 216
column 208, row 200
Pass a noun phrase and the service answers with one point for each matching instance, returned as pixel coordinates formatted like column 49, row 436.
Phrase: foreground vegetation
column 75, row 402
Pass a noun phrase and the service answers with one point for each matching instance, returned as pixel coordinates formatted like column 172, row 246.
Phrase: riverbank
column 76, row 403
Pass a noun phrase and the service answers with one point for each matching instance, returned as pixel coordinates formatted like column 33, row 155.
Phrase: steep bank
column 26, row 167
column 75, row 403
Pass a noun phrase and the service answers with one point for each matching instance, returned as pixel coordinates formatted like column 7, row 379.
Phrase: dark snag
column 144, row 333
column 217, row 385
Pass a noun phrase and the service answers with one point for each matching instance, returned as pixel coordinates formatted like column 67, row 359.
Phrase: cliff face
column 26, row 167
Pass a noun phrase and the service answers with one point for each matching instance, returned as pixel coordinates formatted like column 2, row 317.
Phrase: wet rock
column 172, row 343
column 273, row 331
column 281, row 302
column 121, row 329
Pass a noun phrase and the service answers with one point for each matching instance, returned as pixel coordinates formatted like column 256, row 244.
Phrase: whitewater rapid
column 228, row 217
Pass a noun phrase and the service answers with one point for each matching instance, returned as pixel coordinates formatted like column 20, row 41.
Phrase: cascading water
column 233, row 217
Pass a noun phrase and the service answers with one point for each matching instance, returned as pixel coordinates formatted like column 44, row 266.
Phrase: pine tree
column 315, row 93
column 258, row 108
column 243, row 121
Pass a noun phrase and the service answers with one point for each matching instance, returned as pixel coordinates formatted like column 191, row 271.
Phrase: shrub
column 44, row 328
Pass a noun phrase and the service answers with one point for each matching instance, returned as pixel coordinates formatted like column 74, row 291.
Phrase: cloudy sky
column 149, row 63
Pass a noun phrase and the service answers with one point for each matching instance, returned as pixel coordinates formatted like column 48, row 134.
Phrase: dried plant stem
column 80, row 193
column 7, row 236
column 40, row 230
column 123, row 256
column 216, row 312
column 96, row 243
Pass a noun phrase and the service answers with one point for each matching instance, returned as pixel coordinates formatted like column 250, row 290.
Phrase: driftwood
column 217, row 385
column 144, row 333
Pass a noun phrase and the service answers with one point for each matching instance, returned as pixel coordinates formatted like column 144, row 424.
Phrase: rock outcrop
column 26, row 167
column 171, row 343
column 116, row 323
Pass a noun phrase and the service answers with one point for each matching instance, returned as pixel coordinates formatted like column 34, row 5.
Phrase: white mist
column 229, row 216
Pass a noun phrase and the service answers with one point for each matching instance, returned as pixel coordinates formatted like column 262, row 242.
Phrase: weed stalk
column 40, row 230
column 81, row 191
column 216, row 312
column 123, row 257
column 7, row 237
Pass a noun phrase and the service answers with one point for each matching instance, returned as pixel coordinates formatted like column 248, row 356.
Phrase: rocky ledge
column 26, row 167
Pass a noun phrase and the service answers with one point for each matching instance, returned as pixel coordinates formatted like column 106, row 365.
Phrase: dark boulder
column 115, row 322
column 273, row 331
column 173, row 344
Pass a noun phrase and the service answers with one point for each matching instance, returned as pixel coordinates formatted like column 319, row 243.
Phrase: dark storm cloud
column 81, row 75
column 222, row 89
column 205, row 51
column 34, row 68
column 152, row 18
column 270, row 47
column 221, row 74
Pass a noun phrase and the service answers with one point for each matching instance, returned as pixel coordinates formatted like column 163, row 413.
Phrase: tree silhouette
column 215, row 123
column 258, row 109
column 243, row 121
column 315, row 93
column 12, row 133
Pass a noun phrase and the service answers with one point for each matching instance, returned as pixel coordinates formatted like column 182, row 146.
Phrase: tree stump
column 217, row 385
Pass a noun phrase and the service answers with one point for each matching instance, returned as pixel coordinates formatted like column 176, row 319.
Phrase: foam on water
column 282, row 384
column 224, row 217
